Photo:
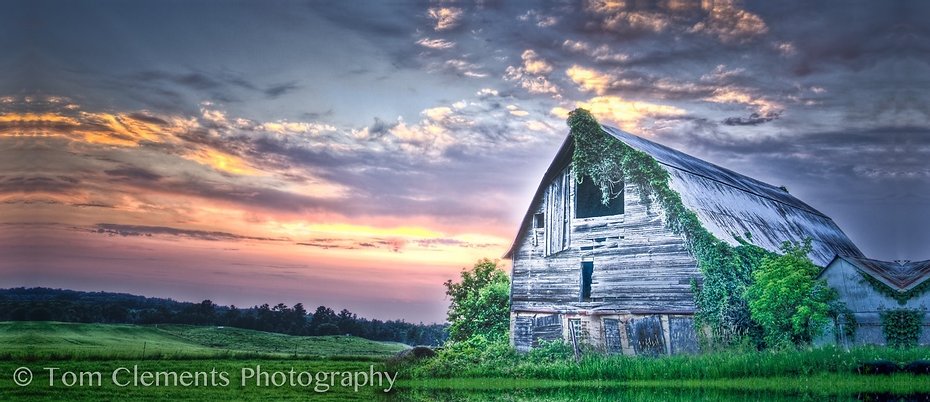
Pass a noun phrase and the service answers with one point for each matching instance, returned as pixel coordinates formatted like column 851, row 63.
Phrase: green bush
column 479, row 303
column 787, row 300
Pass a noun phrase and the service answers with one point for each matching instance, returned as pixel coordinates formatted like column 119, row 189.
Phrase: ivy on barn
column 726, row 269
column 901, row 297
column 902, row 327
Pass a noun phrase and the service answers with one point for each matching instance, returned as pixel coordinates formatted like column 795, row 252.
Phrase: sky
column 359, row 154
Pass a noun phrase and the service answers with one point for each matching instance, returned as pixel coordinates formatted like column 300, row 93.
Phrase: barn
column 872, row 289
column 614, row 276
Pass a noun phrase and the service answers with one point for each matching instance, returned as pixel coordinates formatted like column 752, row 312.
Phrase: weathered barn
column 615, row 277
column 870, row 288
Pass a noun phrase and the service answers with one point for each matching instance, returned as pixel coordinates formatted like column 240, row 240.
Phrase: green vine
column 902, row 327
column 901, row 297
column 726, row 269
column 843, row 314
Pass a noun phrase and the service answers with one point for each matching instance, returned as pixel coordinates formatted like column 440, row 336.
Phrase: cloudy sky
column 359, row 154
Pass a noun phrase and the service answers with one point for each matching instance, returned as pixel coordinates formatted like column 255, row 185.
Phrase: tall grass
column 555, row 362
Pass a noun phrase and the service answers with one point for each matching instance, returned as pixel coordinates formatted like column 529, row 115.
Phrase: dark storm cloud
column 38, row 184
column 140, row 230
column 277, row 90
column 134, row 173
column 148, row 119
column 381, row 127
column 754, row 119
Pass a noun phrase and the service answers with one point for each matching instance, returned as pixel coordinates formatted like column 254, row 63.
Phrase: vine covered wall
column 902, row 327
column 726, row 270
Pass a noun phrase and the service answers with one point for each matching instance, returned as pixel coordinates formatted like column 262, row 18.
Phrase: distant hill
column 75, row 340
column 46, row 304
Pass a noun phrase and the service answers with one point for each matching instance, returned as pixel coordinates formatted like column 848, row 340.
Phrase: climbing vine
column 901, row 297
column 726, row 270
column 902, row 327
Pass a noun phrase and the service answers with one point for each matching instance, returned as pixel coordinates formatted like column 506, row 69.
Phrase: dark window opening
column 587, row 271
column 539, row 221
column 588, row 200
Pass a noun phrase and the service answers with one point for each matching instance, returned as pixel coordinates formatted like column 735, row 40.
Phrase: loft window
column 587, row 271
column 588, row 200
column 539, row 221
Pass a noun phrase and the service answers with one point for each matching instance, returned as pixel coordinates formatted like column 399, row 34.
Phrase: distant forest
column 44, row 304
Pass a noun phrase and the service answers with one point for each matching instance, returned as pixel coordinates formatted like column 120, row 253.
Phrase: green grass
column 179, row 348
column 55, row 340
column 487, row 372
column 41, row 391
column 821, row 384
column 555, row 362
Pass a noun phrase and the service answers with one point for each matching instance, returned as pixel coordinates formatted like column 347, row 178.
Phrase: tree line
column 45, row 304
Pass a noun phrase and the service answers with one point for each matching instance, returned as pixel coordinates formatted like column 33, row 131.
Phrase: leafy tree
column 786, row 298
column 480, row 302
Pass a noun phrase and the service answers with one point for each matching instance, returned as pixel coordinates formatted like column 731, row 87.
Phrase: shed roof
column 899, row 275
column 727, row 203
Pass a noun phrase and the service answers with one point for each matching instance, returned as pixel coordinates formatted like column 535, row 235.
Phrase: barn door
column 646, row 335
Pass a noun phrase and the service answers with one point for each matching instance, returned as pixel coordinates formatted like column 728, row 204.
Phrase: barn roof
column 727, row 203
column 899, row 275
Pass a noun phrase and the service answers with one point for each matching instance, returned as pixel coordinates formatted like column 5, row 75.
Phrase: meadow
column 81, row 348
column 56, row 340
column 548, row 374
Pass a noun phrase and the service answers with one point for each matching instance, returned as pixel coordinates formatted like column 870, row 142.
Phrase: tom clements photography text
column 252, row 376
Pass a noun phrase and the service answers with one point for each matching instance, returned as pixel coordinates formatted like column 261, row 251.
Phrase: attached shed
column 614, row 276
column 870, row 288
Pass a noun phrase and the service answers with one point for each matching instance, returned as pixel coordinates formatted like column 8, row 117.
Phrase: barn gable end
column 622, row 282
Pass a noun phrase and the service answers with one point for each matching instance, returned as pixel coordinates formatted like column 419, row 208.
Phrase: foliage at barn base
column 479, row 323
column 479, row 303
column 787, row 300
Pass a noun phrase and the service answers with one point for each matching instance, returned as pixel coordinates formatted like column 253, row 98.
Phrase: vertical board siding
column 638, row 263
column 522, row 333
column 612, row 335
column 529, row 331
column 547, row 328
column 646, row 335
column 683, row 336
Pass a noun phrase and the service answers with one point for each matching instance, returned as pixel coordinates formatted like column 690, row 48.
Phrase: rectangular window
column 587, row 271
column 589, row 200
column 539, row 221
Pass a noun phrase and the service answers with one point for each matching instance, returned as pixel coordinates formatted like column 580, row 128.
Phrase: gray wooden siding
column 612, row 336
column 530, row 330
column 646, row 335
column 638, row 263
column 683, row 336
column 866, row 303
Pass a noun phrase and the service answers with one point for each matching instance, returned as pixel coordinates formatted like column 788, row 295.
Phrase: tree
column 786, row 298
column 479, row 303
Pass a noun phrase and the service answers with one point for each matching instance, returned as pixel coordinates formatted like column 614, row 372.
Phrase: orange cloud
column 223, row 162
column 626, row 114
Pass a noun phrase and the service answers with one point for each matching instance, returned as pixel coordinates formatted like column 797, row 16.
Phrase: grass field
column 54, row 340
column 88, row 349
column 101, row 348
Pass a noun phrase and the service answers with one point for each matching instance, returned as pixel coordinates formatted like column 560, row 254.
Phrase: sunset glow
column 359, row 157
